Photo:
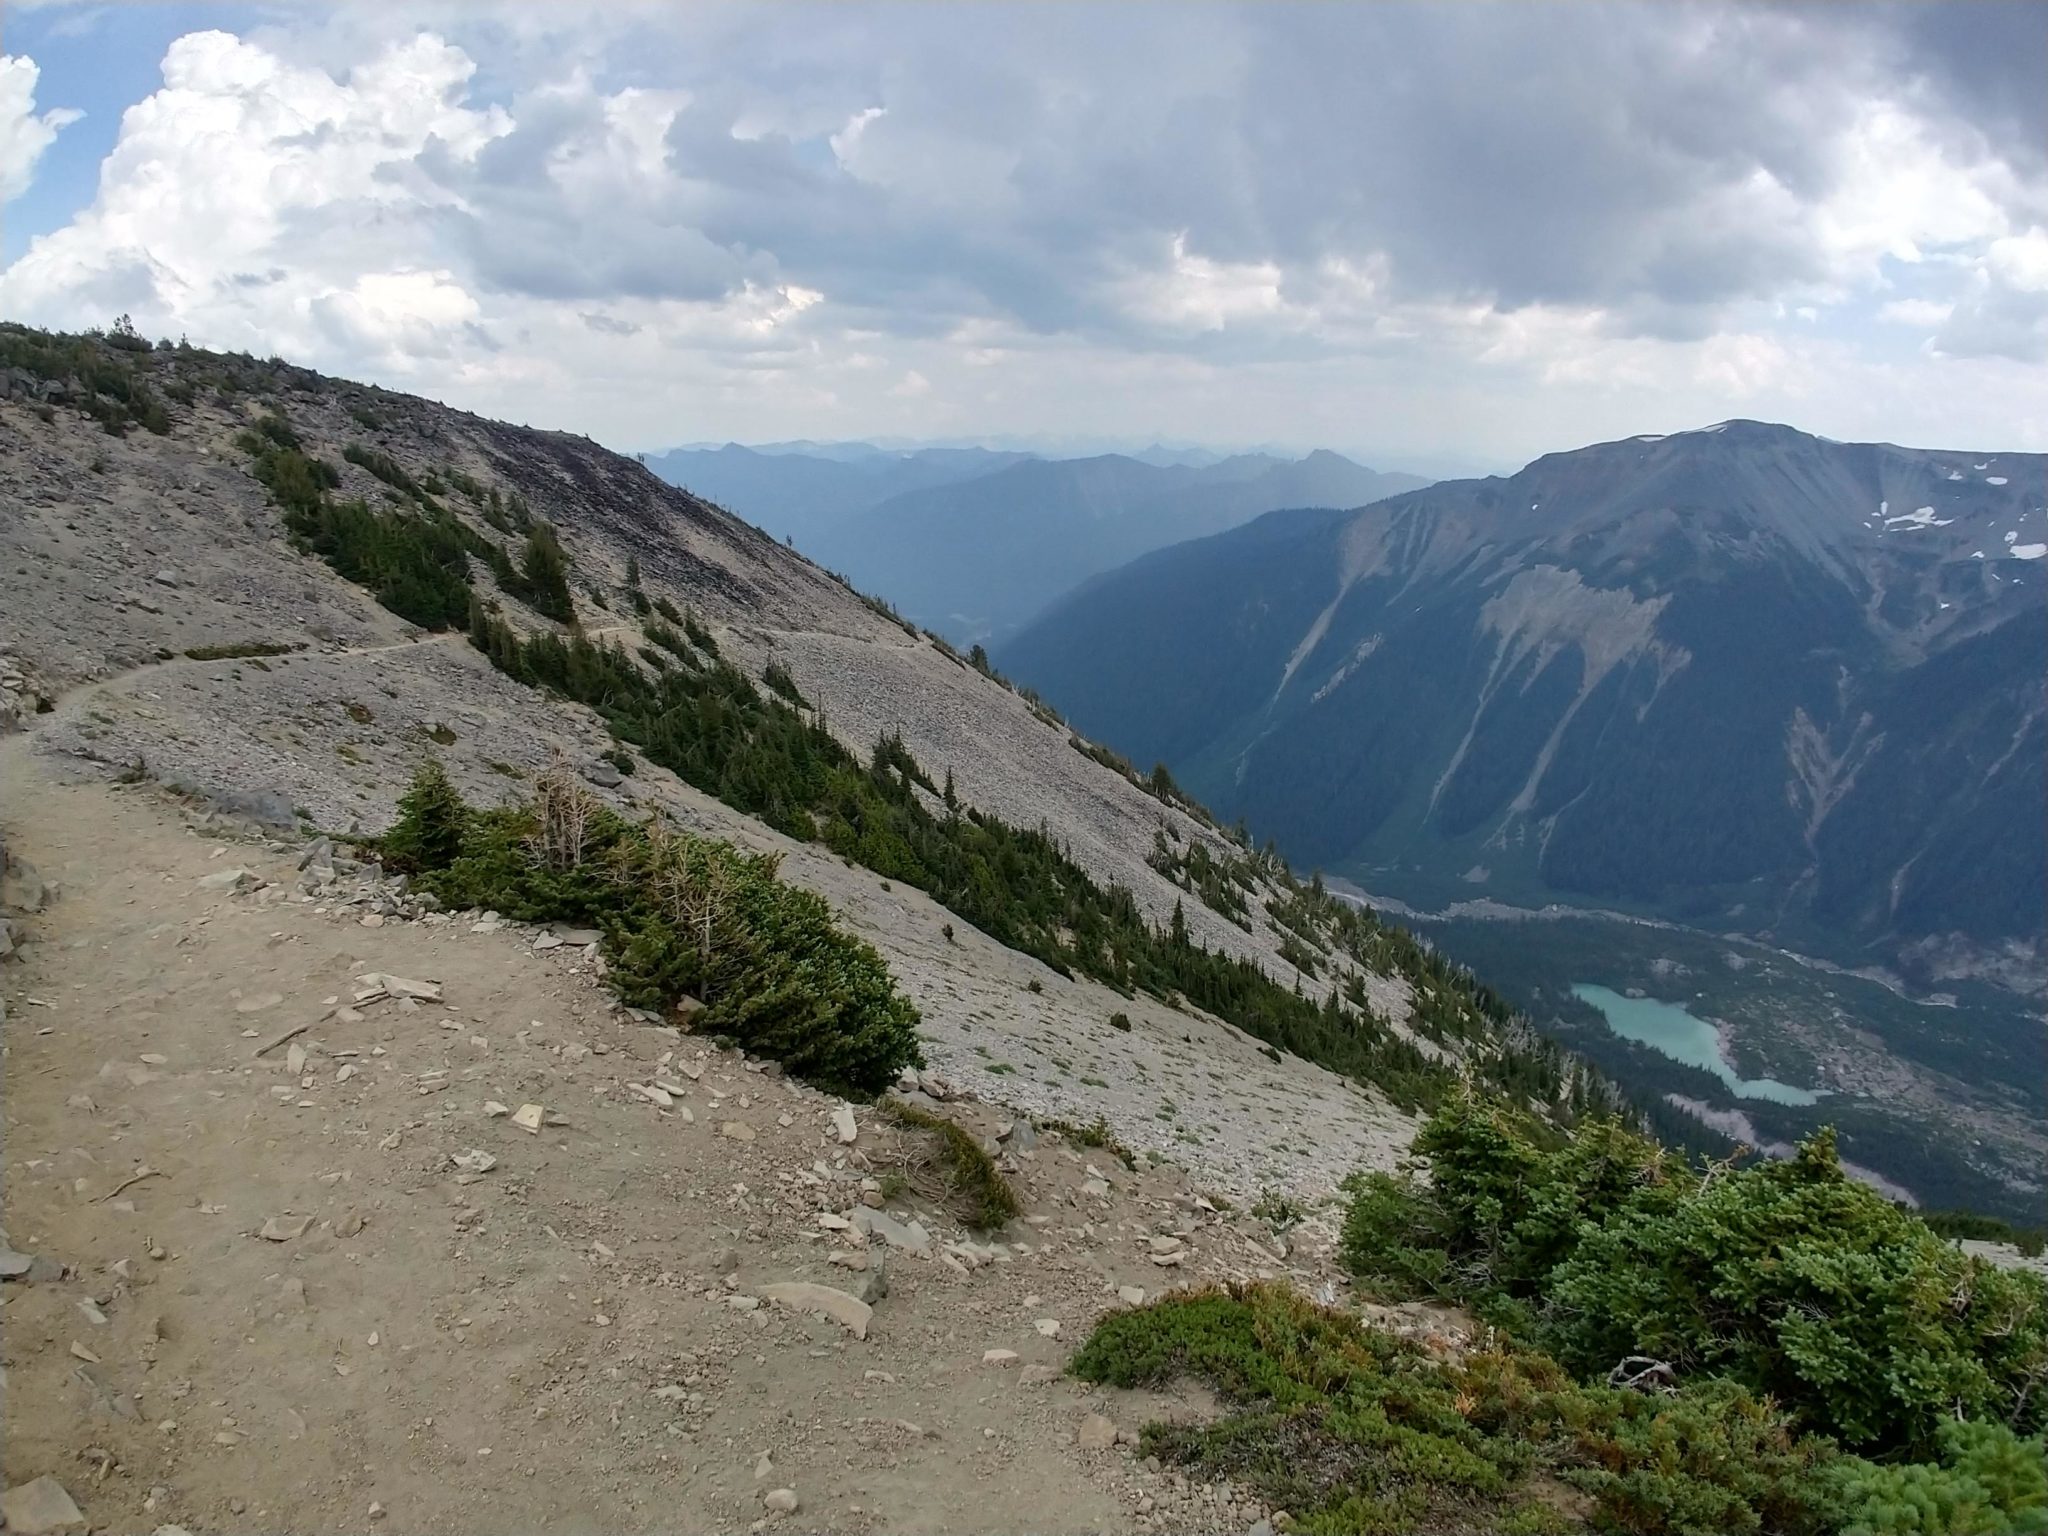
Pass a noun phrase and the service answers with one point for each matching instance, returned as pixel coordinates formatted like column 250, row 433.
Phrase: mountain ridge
column 1585, row 553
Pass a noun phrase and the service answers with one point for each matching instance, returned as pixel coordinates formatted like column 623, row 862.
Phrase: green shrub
column 1355, row 1430
column 1989, row 1482
column 679, row 914
column 1788, row 1277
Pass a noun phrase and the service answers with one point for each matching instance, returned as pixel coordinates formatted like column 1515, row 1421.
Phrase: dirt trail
column 575, row 1339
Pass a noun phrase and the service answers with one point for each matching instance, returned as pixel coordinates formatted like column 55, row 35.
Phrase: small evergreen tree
column 544, row 571
column 432, row 820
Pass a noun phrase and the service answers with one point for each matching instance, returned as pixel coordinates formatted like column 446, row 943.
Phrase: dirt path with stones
column 349, row 1293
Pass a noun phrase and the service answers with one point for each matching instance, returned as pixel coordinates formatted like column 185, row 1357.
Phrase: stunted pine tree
column 544, row 572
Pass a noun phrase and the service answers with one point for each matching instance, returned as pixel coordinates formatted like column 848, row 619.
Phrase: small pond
column 1669, row 1028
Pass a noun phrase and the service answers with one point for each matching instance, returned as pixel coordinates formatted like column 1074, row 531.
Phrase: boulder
column 40, row 1508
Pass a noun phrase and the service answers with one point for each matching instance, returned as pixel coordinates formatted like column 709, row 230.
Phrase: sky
column 1435, row 236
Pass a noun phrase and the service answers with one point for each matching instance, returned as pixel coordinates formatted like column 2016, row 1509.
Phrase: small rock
column 1037, row 1375
column 1048, row 1327
column 39, row 1507
column 528, row 1118
column 475, row 1160
column 80, row 1352
column 843, row 1123
column 282, row 1229
column 764, row 1468
column 1096, row 1433
column 737, row 1130
column 999, row 1357
column 295, row 1060
column 783, row 1501
column 376, row 1510
column 496, row 1111
column 230, row 880
column 1131, row 1295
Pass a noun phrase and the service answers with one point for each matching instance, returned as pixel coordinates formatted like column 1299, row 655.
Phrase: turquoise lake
column 1669, row 1028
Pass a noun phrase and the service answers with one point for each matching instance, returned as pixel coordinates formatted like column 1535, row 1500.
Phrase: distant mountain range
column 972, row 542
column 1741, row 677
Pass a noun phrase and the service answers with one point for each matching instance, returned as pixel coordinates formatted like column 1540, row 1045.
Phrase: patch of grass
column 957, row 1173
column 440, row 735
column 237, row 652
column 1094, row 1134
column 1281, row 1212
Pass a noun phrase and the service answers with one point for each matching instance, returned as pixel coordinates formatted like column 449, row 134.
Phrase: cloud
column 659, row 223
column 23, row 135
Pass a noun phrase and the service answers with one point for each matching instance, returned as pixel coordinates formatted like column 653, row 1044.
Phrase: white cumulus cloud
column 24, row 135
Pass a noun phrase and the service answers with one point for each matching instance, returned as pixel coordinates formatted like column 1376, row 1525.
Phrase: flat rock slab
column 910, row 1236
column 850, row 1312
column 39, row 1508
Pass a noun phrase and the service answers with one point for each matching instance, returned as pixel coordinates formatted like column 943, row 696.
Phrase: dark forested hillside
column 1742, row 676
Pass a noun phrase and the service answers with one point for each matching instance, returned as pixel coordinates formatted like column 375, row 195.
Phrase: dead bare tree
column 693, row 884
column 563, row 807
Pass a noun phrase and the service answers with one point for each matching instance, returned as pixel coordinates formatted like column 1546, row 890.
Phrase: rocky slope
column 131, row 551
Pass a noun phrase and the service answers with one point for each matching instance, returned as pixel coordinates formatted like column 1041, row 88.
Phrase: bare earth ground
column 558, row 1342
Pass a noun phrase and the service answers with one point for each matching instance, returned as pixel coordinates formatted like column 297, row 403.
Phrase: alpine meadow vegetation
column 1818, row 1359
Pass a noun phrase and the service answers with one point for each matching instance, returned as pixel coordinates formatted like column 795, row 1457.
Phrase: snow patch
column 2029, row 551
column 1920, row 517
column 1994, row 479
column 1955, row 474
